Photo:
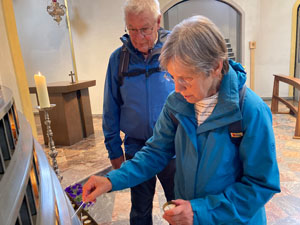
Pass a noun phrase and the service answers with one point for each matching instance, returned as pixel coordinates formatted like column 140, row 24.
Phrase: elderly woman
column 217, row 181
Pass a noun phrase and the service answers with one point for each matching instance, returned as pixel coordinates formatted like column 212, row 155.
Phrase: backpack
column 235, row 129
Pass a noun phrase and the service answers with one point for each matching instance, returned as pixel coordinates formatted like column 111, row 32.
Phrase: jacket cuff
column 115, row 154
column 200, row 213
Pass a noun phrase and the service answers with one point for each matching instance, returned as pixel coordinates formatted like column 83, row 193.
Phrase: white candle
column 42, row 91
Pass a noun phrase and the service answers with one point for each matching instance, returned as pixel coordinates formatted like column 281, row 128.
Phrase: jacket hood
column 241, row 73
column 227, row 109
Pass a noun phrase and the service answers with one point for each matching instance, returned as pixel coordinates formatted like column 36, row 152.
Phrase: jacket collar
column 227, row 109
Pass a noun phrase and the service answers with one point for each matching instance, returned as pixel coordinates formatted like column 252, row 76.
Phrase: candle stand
column 53, row 153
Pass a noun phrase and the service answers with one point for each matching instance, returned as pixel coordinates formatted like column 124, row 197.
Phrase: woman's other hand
column 182, row 214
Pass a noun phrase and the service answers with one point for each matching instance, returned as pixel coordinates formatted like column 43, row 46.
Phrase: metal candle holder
column 53, row 153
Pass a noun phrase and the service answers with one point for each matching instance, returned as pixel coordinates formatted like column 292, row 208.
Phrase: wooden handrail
column 295, row 82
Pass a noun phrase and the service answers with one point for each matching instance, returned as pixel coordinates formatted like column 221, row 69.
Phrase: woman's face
column 194, row 87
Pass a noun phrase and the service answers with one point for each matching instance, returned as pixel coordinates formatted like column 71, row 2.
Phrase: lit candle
column 42, row 91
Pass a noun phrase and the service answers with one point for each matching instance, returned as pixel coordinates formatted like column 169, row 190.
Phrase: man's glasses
column 185, row 81
column 144, row 31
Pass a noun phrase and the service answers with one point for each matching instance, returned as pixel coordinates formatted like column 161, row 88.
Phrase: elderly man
column 134, row 94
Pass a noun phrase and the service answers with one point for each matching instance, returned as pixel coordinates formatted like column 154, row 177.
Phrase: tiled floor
column 79, row 161
column 284, row 208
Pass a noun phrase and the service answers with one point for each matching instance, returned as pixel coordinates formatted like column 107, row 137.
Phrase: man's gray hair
column 196, row 43
column 138, row 6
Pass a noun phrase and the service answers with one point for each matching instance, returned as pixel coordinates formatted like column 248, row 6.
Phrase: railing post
column 274, row 104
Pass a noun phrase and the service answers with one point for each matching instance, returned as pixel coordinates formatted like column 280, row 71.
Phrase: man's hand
column 94, row 187
column 116, row 163
column 182, row 214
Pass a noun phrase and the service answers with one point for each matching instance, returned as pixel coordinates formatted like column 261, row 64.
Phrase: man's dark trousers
column 142, row 194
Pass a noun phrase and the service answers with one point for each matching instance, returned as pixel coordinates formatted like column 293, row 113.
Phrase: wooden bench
column 295, row 82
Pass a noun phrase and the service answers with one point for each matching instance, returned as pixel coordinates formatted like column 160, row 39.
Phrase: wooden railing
column 295, row 82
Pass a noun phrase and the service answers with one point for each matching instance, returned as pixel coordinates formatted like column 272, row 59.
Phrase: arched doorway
column 227, row 18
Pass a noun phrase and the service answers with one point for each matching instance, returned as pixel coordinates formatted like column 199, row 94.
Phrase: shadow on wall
column 78, row 24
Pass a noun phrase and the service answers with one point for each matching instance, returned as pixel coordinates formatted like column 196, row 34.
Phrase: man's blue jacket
column 225, row 183
column 134, row 107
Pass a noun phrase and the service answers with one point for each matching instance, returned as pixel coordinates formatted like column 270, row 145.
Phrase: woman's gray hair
column 196, row 43
column 139, row 6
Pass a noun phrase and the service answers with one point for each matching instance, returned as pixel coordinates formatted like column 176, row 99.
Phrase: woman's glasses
column 185, row 81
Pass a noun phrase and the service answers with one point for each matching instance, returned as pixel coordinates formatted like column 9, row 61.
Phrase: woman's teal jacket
column 225, row 183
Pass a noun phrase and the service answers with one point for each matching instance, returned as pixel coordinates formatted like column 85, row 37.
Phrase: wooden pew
column 295, row 82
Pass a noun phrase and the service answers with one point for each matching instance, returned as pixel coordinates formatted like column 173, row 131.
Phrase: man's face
column 142, row 30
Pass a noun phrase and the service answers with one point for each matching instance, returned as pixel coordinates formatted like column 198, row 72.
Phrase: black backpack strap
column 123, row 66
column 175, row 121
column 236, row 129
column 134, row 73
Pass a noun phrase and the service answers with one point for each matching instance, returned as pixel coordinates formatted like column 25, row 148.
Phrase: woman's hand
column 94, row 187
column 182, row 214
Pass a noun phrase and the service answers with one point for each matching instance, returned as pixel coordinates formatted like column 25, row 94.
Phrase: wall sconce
column 56, row 10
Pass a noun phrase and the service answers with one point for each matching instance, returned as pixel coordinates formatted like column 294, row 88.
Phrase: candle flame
column 40, row 73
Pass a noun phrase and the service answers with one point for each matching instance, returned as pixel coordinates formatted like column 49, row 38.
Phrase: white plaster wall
column 7, row 72
column 96, row 28
column 273, row 45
